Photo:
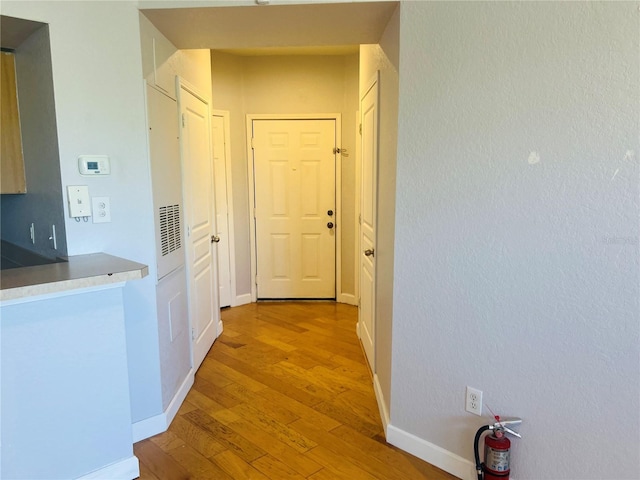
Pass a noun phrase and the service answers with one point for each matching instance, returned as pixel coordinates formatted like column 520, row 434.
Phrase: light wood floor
column 284, row 393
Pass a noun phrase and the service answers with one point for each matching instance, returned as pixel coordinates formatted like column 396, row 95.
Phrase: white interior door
column 294, row 175
column 222, row 208
column 368, row 211
column 197, row 169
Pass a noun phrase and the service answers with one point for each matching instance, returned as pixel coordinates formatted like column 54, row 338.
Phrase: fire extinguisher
column 496, row 449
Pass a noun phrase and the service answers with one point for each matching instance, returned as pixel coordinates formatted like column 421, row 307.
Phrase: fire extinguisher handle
column 502, row 425
column 509, row 421
column 515, row 434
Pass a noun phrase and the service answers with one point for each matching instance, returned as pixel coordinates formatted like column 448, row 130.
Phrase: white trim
column 193, row 90
column 431, row 453
column 149, row 427
column 338, row 185
column 382, row 406
column 176, row 402
column 220, row 328
column 159, row 423
column 226, row 120
column 129, row 468
column 338, row 212
column 243, row 299
column 252, row 202
column 348, row 298
column 358, row 207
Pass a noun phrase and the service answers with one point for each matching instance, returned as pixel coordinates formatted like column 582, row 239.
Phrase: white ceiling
column 330, row 28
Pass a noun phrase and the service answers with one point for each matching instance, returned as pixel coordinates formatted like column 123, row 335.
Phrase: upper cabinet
column 164, row 74
column 159, row 58
column 12, row 176
column 162, row 62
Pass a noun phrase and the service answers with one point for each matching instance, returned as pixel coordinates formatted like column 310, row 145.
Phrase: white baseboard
column 242, row 300
column 148, row 427
column 348, row 298
column 382, row 406
column 431, row 453
column 220, row 329
column 175, row 404
column 126, row 469
column 159, row 423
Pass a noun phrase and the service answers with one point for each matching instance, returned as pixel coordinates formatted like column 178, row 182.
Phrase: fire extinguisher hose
column 476, row 441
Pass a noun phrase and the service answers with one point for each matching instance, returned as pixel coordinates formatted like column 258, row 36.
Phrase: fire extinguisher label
column 497, row 460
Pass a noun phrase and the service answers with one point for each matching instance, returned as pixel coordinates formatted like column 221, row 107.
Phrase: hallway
column 283, row 394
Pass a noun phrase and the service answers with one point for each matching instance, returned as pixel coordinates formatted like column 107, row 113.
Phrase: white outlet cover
column 473, row 401
column 101, row 207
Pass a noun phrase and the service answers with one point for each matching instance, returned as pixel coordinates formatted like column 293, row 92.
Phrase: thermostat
column 94, row 165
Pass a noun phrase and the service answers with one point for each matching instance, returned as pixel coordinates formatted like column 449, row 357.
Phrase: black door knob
column 330, row 213
column 330, row 225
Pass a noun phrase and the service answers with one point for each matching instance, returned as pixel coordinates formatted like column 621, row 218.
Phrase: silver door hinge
column 193, row 334
column 360, row 219
column 360, row 129
column 252, row 142
column 256, row 279
column 183, row 119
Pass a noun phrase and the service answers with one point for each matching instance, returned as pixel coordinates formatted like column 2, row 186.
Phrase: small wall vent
column 170, row 235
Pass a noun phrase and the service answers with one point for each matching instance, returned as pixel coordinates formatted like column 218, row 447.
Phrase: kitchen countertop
column 80, row 271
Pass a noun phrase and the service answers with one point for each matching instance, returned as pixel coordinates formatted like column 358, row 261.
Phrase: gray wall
column 42, row 205
column 515, row 275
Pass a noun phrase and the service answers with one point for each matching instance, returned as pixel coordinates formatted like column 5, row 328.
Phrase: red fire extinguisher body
column 496, row 457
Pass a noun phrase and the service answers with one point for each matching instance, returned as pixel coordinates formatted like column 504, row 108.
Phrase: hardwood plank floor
column 284, row 393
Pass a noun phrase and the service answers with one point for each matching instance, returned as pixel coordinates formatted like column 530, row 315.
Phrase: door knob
column 369, row 252
column 330, row 213
column 215, row 238
column 330, row 225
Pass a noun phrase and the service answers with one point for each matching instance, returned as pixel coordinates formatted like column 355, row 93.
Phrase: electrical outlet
column 101, row 209
column 473, row 403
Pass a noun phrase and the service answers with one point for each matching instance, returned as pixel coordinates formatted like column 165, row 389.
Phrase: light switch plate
column 79, row 205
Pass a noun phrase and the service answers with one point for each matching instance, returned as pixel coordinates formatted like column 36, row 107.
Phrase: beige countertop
column 81, row 271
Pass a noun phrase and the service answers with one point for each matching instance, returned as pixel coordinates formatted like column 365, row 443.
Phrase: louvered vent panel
column 170, row 229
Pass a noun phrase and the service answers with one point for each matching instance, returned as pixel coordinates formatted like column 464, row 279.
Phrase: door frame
column 229, row 181
column 337, row 117
column 357, row 213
